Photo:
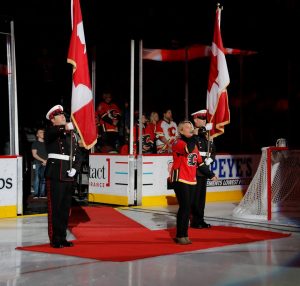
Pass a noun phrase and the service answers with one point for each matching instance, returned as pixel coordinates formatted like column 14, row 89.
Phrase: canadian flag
column 82, row 106
column 217, row 99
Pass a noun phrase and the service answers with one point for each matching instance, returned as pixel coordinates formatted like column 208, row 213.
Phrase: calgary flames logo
column 192, row 159
column 172, row 131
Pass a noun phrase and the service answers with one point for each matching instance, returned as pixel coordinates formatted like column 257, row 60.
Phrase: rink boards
column 122, row 180
column 10, row 186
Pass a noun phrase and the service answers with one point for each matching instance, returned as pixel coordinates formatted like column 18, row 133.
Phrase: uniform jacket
column 57, row 141
column 204, row 170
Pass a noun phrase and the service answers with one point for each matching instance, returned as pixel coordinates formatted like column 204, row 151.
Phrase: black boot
column 200, row 225
column 56, row 245
column 67, row 243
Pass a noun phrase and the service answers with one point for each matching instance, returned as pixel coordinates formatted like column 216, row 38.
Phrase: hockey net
column 275, row 186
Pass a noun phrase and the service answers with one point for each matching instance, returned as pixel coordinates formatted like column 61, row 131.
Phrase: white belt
column 204, row 154
column 59, row 157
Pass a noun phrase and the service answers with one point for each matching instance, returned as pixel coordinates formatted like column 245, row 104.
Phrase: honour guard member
column 62, row 165
column 203, row 172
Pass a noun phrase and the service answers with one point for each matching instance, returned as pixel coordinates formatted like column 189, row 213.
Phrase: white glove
column 209, row 126
column 208, row 161
column 71, row 173
column 69, row 126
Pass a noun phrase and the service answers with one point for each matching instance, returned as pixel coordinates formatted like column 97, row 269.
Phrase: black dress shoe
column 201, row 225
column 67, row 243
column 56, row 245
column 181, row 240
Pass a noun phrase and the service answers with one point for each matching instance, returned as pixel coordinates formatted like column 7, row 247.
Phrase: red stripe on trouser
column 49, row 196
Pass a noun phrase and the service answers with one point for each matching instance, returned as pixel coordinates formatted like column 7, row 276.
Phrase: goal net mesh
column 285, row 185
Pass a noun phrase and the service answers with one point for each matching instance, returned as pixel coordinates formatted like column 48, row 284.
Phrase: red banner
column 190, row 53
column 82, row 107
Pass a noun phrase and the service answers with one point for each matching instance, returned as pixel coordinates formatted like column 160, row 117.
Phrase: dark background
column 264, row 93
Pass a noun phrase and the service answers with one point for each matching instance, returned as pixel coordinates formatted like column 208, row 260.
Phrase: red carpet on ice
column 103, row 233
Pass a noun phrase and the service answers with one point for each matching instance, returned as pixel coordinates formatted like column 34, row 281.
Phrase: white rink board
column 235, row 172
column 156, row 169
column 11, row 186
column 109, row 174
column 8, row 181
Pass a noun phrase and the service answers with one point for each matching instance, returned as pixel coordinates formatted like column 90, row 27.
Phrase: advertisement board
column 110, row 175
column 10, row 186
column 109, row 179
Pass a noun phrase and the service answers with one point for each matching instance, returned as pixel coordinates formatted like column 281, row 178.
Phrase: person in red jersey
column 148, row 137
column 108, row 115
column 153, row 121
column 186, row 159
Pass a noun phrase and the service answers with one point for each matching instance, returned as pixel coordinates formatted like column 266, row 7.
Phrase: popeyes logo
column 100, row 176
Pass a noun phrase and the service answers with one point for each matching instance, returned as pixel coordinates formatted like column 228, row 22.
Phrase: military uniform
column 59, row 183
column 203, row 172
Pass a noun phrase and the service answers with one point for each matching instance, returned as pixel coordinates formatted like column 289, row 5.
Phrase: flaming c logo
column 192, row 159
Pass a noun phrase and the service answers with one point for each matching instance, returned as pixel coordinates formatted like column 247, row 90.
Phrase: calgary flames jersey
column 148, row 138
column 167, row 129
column 185, row 164
column 108, row 116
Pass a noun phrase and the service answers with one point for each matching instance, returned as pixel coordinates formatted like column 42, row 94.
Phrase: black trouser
column 198, row 203
column 59, row 203
column 184, row 194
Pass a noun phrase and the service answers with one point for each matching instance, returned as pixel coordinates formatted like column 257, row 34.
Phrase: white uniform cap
column 55, row 110
column 200, row 114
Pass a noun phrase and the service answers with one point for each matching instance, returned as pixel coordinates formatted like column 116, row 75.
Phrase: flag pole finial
column 219, row 6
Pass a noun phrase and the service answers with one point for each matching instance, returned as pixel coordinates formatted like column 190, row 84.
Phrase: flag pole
column 208, row 144
column 71, row 149
column 71, row 132
column 186, row 83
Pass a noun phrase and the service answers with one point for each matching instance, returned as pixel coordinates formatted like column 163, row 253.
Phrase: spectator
column 40, row 155
column 166, row 133
column 108, row 117
column 125, row 123
column 148, row 137
column 154, row 119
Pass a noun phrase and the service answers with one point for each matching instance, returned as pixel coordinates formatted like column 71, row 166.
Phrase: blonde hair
column 152, row 114
column 181, row 124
